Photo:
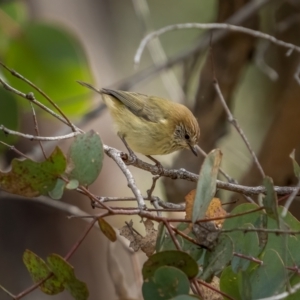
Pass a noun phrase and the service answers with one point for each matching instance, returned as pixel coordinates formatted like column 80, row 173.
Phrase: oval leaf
column 270, row 278
column 58, row 190
column 107, row 230
column 206, row 186
column 270, row 200
column 65, row 274
column 39, row 270
column 166, row 283
column 217, row 260
column 30, row 179
column 174, row 258
column 85, row 158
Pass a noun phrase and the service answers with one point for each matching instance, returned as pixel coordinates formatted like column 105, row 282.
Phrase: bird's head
column 186, row 130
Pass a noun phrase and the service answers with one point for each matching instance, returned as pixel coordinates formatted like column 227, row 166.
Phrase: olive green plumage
column 151, row 125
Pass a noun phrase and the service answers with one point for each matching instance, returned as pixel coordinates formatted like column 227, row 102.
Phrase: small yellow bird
column 150, row 125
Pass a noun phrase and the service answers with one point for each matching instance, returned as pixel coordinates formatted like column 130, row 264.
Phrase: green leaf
column 256, row 219
column 229, row 283
column 218, row 258
column 85, row 158
column 294, row 281
column 192, row 249
column 270, row 200
column 30, row 179
column 244, row 286
column 182, row 226
column 270, row 278
column 244, row 243
column 39, row 270
column 169, row 243
column 107, row 230
column 58, row 190
column 206, row 186
column 65, row 274
column 167, row 282
column 72, row 184
column 286, row 245
column 174, row 258
column 53, row 59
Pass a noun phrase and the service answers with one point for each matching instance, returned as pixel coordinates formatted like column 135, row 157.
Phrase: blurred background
column 54, row 43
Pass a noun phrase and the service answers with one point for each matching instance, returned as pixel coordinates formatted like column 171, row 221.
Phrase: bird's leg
column 132, row 156
column 157, row 164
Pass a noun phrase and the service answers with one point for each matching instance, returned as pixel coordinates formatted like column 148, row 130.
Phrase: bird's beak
column 193, row 148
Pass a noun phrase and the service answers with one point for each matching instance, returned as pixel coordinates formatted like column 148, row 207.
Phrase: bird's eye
column 187, row 137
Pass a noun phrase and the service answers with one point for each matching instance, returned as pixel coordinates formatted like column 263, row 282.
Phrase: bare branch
column 223, row 26
column 235, row 124
column 30, row 97
column 116, row 156
column 36, row 128
column 39, row 138
column 19, row 76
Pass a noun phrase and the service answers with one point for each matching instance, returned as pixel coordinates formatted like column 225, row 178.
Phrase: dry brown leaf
column 147, row 243
column 189, row 203
column 214, row 210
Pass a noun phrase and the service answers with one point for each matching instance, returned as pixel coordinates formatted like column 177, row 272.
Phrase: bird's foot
column 158, row 165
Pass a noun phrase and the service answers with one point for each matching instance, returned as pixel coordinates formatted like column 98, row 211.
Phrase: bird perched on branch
column 150, row 125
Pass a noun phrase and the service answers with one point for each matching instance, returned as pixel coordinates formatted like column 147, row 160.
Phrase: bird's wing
column 139, row 104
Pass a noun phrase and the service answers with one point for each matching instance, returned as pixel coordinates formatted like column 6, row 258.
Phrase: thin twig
column 19, row 76
column 150, row 191
column 84, row 235
column 259, row 60
column 37, row 137
column 115, row 155
column 32, row 288
column 297, row 75
column 224, row 26
column 36, row 128
column 2, row 287
column 173, row 237
column 230, row 117
column 86, row 192
column 197, row 288
column 251, row 258
column 290, row 200
column 13, row 148
column 209, row 286
column 30, row 97
column 185, row 236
